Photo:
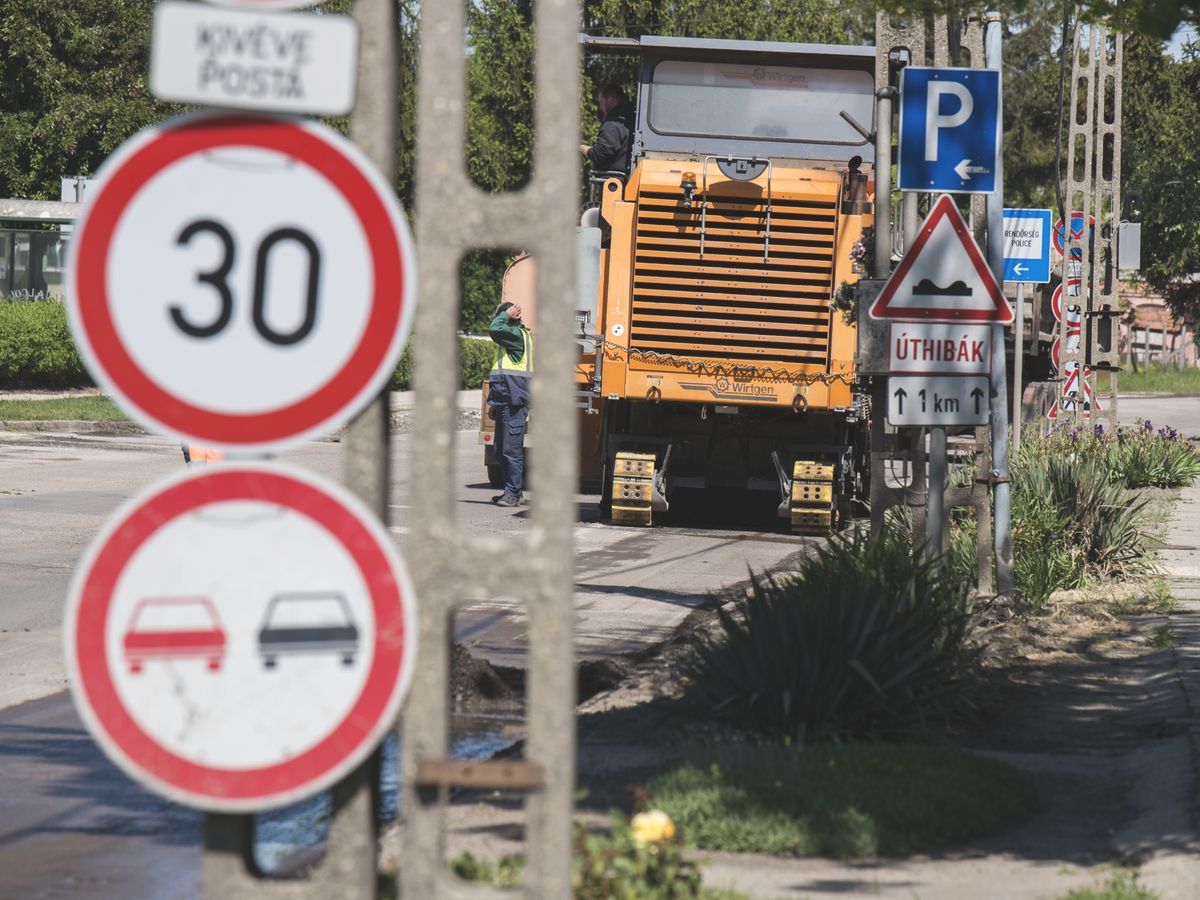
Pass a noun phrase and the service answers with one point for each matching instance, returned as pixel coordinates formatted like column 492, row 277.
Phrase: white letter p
column 934, row 120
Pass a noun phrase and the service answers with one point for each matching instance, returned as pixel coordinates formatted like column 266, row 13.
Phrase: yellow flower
column 652, row 827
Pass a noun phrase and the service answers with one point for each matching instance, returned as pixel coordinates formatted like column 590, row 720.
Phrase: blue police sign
column 1027, row 245
column 949, row 129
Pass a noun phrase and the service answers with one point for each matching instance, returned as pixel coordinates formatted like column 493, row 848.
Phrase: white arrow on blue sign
column 1027, row 245
column 949, row 129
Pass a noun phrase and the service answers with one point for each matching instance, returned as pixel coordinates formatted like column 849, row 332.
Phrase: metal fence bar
column 451, row 566
column 349, row 867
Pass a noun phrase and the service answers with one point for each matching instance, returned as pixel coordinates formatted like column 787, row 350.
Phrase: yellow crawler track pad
column 632, row 486
column 812, row 521
column 635, row 465
column 812, row 498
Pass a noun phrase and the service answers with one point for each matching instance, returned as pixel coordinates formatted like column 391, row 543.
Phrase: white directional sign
column 1027, row 245
column 240, row 639
column 940, row 347
column 241, row 282
column 949, row 129
column 942, row 400
column 282, row 62
column 943, row 276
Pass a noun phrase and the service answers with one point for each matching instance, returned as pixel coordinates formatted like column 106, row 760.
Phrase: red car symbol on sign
column 174, row 628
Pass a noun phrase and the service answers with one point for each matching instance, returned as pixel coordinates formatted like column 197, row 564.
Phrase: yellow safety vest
column 506, row 365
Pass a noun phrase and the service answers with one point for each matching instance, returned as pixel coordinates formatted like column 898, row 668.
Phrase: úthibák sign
column 941, row 348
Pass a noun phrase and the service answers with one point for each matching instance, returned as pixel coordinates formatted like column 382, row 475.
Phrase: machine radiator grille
column 731, row 303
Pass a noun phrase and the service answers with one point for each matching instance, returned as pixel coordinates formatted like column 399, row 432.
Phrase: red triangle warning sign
column 943, row 276
column 1070, row 395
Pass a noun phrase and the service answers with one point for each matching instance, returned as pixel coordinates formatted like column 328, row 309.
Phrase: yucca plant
column 1072, row 521
column 864, row 638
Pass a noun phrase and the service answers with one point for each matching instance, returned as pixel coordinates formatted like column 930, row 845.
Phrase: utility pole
column 993, row 58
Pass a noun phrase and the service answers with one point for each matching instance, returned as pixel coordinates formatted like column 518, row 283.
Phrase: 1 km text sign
column 241, row 282
column 240, row 639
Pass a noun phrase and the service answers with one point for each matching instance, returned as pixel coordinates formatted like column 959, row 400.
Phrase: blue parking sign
column 949, row 129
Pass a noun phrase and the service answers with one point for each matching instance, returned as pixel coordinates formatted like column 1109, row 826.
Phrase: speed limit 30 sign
column 243, row 282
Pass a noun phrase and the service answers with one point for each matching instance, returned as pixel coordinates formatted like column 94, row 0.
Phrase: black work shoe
column 507, row 501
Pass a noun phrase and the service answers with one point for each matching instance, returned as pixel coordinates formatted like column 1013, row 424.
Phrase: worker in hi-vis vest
column 193, row 453
column 508, row 397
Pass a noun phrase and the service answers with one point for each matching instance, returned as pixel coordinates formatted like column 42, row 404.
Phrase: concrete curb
column 73, row 426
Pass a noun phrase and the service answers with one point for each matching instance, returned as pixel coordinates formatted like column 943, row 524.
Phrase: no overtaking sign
column 242, row 638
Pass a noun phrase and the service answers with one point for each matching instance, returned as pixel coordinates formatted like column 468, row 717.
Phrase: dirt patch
column 476, row 683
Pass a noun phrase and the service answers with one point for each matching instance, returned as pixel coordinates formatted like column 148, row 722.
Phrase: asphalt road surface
column 72, row 825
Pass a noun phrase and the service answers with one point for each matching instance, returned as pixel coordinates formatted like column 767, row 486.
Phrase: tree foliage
column 72, row 88
column 1161, row 150
column 1152, row 18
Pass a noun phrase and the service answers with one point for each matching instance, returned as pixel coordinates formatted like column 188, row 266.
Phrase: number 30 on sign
column 243, row 282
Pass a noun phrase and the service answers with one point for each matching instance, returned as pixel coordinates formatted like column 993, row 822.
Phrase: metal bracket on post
column 450, row 565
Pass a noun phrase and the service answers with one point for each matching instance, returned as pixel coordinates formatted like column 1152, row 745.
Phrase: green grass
column 1159, row 380
column 509, row 871
column 854, row 800
column 1161, row 637
column 1120, row 887
column 1160, row 599
column 92, row 408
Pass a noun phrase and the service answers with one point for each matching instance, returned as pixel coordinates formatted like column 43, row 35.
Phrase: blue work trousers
column 510, row 445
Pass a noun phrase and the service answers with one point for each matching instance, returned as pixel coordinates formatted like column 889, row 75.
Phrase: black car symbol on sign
column 307, row 623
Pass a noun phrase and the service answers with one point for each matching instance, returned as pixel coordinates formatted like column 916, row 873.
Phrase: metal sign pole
column 883, row 266
column 999, row 386
column 936, row 517
column 1018, row 367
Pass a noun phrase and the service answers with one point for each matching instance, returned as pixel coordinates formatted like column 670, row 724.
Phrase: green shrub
column 475, row 358
column 608, row 865
column 615, row 865
column 1140, row 456
column 1123, row 886
column 865, row 637
column 1072, row 521
column 36, row 347
column 1147, row 458
column 505, row 872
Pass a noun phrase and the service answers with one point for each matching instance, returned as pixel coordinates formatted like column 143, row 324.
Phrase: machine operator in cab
column 610, row 153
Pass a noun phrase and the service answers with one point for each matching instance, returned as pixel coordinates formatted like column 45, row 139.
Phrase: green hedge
column 36, row 348
column 37, row 351
column 474, row 362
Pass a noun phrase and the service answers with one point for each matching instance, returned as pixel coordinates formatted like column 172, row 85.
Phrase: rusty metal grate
column 732, row 304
